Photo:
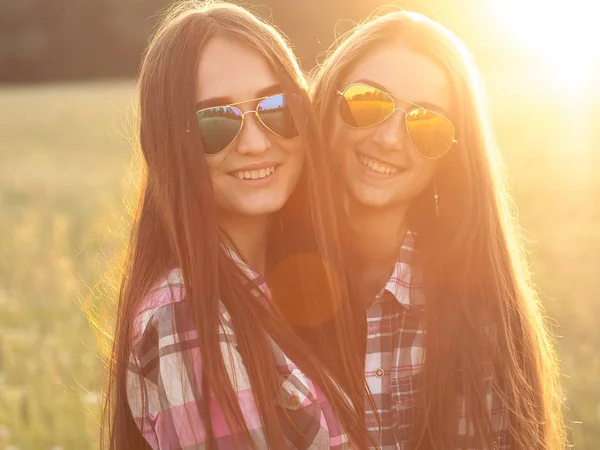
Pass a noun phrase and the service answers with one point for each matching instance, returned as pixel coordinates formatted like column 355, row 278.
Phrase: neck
column 249, row 234
column 376, row 233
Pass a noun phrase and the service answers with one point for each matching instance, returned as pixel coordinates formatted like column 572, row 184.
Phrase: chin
column 372, row 202
column 257, row 207
column 372, row 198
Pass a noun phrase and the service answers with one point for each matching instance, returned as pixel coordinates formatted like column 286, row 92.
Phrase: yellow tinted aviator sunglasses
column 364, row 106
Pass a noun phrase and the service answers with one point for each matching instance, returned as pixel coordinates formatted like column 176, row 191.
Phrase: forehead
column 229, row 68
column 404, row 73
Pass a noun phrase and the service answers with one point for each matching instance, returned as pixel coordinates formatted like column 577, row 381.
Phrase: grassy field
column 64, row 155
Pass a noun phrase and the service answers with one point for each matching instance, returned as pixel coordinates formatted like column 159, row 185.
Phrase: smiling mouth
column 256, row 174
column 377, row 166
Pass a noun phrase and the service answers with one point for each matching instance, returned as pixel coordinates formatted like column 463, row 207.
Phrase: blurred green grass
column 64, row 152
column 64, row 157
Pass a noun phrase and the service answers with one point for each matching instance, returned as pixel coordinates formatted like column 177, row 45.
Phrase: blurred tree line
column 66, row 39
column 48, row 40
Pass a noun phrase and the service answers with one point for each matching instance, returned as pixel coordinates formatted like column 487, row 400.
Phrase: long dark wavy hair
column 176, row 226
column 481, row 304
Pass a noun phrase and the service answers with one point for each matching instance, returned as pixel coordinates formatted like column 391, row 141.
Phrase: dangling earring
column 436, row 198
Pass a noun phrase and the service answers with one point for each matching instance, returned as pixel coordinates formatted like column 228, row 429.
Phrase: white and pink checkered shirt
column 167, row 362
column 395, row 359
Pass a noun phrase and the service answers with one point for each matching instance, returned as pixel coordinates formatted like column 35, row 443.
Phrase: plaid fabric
column 395, row 359
column 166, row 361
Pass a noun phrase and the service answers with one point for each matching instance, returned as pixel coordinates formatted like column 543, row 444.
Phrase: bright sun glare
column 565, row 34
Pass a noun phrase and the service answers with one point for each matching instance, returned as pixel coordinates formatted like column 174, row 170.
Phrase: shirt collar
column 401, row 283
column 254, row 277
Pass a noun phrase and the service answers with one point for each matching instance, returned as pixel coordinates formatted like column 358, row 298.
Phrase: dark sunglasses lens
column 431, row 134
column 218, row 127
column 276, row 115
column 365, row 106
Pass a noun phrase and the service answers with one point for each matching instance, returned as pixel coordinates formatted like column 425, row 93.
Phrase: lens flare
column 565, row 38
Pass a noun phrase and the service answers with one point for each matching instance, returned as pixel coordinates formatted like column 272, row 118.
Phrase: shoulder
column 159, row 304
column 165, row 311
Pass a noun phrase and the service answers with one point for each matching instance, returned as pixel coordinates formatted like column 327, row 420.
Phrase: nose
column 390, row 134
column 253, row 138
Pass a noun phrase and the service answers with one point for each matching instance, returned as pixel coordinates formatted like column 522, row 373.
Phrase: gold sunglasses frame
column 393, row 98
column 243, row 114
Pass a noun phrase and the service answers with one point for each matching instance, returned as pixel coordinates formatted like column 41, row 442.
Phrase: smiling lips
column 377, row 166
column 264, row 172
column 254, row 174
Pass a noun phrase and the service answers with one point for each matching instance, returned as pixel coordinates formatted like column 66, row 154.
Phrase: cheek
column 212, row 164
column 294, row 153
column 423, row 174
column 293, row 148
column 344, row 139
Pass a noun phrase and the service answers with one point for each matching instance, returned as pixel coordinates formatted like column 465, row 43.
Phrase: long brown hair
column 176, row 227
column 481, row 302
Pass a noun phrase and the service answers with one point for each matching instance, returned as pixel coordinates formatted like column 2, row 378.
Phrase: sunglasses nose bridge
column 252, row 111
column 252, row 137
column 391, row 115
column 257, row 119
column 399, row 109
column 390, row 133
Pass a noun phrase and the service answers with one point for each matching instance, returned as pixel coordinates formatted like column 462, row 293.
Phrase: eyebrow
column 226, row 101
column 427, row 105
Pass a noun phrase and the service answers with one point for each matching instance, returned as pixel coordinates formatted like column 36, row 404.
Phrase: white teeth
column 254, row 174
column 377, row 167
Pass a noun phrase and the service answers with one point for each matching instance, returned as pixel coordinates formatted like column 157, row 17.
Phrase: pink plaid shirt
column 395, row 359
column 166, row 361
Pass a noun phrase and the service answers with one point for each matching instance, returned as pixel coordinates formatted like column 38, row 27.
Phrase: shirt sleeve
column 163, row 381
column 499, row 419
column 498, row 414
